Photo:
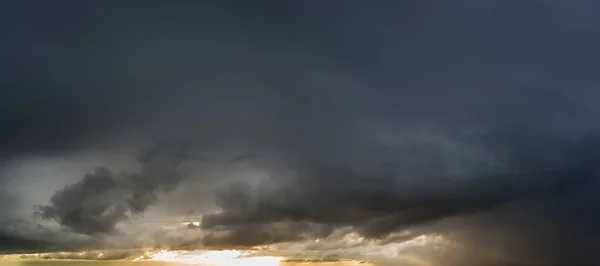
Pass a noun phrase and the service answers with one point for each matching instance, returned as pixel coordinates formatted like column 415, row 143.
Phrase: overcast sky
column 361, row 127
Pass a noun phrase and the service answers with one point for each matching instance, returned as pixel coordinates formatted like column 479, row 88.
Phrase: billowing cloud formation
column 102, row 199
column 475, row 120
column 440, row 180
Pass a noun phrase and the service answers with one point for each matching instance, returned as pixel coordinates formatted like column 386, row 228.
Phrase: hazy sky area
column 442, row 133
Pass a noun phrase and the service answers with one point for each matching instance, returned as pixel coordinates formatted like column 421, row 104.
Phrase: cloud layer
column 472, row 120
column 98, row 202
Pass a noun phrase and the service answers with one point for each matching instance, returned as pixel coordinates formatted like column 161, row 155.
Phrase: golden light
column 215, row 258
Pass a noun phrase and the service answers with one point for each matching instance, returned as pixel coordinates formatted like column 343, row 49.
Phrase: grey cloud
column 253, row 234
column 377, row 205
column 321, row 88
column 24, row 236
column 286, row 62
column 10, row 243
column 102, row 199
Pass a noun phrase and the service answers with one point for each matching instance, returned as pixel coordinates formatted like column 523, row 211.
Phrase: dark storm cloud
column 379, row 111
column 79, row 75
column 117, row 71
column 244, row 235
column 377, row 205
column 10, row 243
column 98, row 202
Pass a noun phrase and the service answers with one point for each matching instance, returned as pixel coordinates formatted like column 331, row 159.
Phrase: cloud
column 340, row 195
column 468, row 119
column 254, row 234
column 98, row 202
column 15, row 243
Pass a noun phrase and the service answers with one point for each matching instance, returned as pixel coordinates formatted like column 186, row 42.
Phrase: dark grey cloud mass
column 102, row 199
column 472, row 119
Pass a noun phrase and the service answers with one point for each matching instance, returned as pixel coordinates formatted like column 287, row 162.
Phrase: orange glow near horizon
column 237, row 258
column 216, row 258
column 198, row 257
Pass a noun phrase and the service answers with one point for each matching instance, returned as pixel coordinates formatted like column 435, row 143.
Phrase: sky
column 457, row 132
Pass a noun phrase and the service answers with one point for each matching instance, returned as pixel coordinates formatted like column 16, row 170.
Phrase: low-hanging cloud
column 102, row 199
column 376, row 205
column 475, row 120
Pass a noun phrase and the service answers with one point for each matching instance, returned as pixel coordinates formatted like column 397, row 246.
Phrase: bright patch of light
column 192, row 223
column 215, row 258
column 353, row 238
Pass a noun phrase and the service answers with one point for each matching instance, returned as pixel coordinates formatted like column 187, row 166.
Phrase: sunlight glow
column 215, row 258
